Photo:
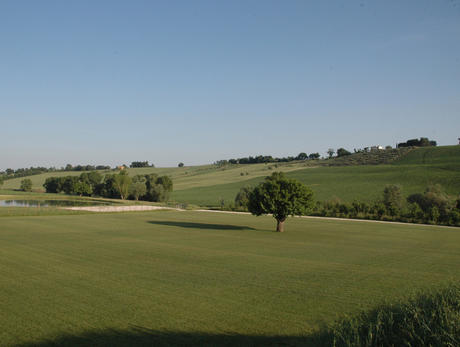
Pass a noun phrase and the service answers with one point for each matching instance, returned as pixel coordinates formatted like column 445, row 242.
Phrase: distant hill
column 361, row 176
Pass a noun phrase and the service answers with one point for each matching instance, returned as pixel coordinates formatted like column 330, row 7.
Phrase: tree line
column 422, row 142
column 433, row 206
column 23, row 172
column 149, row 187
column 260, row 159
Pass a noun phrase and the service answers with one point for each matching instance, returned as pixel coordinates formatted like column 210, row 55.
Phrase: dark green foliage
column 166, row 182
column 330, row 152
column 122, row 182
column 313, row 156
column 281, row 197
column 68, row 184
column 108, row 188
column 52, row 185
column 26, row 185
column 242, row 199
column 433, row 207
column 427, row 320
column 140, row 164
column 342, row 152
column 180, row 165
column 82, row 188
column 302, row 156
column 423, row 142
column 392, row 198
column 137, row 189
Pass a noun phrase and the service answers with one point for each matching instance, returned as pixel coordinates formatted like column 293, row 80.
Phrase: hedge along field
column 194, row 274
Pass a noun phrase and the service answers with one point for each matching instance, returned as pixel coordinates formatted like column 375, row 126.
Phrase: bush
column 242, row 198
column 26, row 185
column 427, row 320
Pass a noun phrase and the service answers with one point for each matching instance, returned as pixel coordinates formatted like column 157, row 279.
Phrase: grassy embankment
column 207, row 185
column 173, row 277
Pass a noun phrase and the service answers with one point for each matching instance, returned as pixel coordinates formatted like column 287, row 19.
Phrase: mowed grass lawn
column 198, row 273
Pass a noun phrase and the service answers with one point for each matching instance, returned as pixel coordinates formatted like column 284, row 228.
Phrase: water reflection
column 49, row 203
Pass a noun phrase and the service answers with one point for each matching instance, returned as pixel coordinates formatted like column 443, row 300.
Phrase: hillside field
column 207, row 185
column 161, row 277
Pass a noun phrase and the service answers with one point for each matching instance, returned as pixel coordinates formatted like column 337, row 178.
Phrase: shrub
column 431, row 319
column 26, row 185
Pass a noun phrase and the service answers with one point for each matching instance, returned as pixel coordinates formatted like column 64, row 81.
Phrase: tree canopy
column 281, row 197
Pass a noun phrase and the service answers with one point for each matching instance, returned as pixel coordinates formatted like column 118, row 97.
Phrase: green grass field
column 207, row 185
column 169, row 277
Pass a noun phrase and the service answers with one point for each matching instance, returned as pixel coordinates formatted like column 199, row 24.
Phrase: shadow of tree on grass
column 202, row 225
column 144, row 337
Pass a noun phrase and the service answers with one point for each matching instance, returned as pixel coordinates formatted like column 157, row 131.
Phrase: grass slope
column 193, row 275
column 207, row 185
column 414, row 172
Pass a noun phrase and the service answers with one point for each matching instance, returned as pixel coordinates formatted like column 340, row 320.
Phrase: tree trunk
column 280, row 225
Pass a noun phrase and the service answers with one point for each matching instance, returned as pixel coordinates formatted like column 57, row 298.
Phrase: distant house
column 377, row 148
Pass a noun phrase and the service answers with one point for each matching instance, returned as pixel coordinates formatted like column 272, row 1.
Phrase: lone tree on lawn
column 281, row 197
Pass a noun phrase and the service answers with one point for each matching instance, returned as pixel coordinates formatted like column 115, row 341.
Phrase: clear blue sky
column 110, row 82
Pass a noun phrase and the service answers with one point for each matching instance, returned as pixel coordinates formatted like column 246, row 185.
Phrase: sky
column 111, row 82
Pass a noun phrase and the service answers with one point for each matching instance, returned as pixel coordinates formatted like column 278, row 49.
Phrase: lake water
column 49, row 203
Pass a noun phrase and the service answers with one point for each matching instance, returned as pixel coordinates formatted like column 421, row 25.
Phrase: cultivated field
column 166, row 276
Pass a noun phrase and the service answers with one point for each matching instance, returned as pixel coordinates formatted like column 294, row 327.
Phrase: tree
column 314, row 156
column 281, row 197
column 342, row 152
column 180, row 165
column 137, row 189
column 242, row 198
column 82, row 188
column 302, row 156
column 68, row 184
column 52, row 185
column 330, row 152
column 392, row 199
column 122, row 182
column 26, row 185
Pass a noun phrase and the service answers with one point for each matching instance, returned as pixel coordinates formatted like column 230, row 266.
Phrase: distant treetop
column 423, row 142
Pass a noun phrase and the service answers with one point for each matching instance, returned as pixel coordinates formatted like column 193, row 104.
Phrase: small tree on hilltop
column 281, row 197
column 341, row 152
column 330, row 152
column 180, row 165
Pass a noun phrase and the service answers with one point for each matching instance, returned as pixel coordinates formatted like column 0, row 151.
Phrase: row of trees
column 141, row 164
column 149, row 187
column 422, row 142
column 433, row 206
column 260, row 159
column 22, row 172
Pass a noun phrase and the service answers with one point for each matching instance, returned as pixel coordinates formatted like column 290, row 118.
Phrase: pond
column 50, row 203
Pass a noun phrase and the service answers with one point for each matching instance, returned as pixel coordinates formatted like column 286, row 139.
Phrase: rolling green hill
column 346, row 178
